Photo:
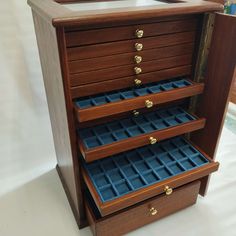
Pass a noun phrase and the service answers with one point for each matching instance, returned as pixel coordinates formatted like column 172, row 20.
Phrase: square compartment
column 160, row 124
column 107, row 138
column 177, row 154
column 163, row 114
column 133, row 156
column 154, row 163
column 187, row 164
column 121, row 134
column 155, row 89
column 114, row 97
column 182, row 83
column 101, row 180
column 166, row 158
column 150, row 177
column 107, row 193
column 141, row 91
column 148, row 127
column 172, row 121
column 108, row 164
column 99, row 100
column 167, row 86
column 134, row 131
column 176, row 168
column 199, row 160
column 128, row 94
column 141, row 120
column 163, row 172
column 157, row 149
column 168, row 146
column 115, row 175
column 123, row 187
column 183, row 118
column 137, row 182
column 100, row 130
column 121, row 160
column 115, row 126
column 145, row 152
column 91, row 142
column 95, row 169
column 142, row 166
column 188, row 150
column 175, row 111
column 83, row 103
column 128, row 123
column 179, row 142
column 129, row 171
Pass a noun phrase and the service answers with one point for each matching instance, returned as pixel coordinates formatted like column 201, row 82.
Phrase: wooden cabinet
column 137, row 97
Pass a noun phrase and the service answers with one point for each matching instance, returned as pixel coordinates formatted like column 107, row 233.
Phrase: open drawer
column 125, row 179
column 149, row 95
column 128, row 133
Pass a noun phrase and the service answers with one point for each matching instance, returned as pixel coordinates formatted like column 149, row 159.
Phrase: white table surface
column 32, row 200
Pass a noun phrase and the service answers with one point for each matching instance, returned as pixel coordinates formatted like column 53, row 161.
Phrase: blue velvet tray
column 118, row 95
column 130, row 127
column 120, row 174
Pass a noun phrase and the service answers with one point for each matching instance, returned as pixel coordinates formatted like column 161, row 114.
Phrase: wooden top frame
column 60, row 15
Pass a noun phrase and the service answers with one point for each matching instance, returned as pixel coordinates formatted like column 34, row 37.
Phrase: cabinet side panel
column 219, row 75
column 50, row 62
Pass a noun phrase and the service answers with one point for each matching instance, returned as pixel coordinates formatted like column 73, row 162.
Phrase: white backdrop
column 32, row 201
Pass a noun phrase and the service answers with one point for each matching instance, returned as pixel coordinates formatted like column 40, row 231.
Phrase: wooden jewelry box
column 137, row 92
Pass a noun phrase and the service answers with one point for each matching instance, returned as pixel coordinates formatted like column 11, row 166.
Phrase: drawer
column 95, row 36
column 123, row 180
column 144, row 213
column 126, row 46
column 131, row 70
column 130, row 58
column 126, row 82
column 145, row 96
column 107, row 139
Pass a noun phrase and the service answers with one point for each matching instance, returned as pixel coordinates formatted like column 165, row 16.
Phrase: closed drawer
column 145, row 96
column 100, row 141
column 123, row 180
column 142, row 214
column 95, row 36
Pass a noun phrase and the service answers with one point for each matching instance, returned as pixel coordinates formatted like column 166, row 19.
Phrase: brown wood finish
column 136, row 103
column 233, row 90
column 132, row 198
column 93, row 154
column 126, row 82
column 126, row 46
column 139, row 215
column 95, row 36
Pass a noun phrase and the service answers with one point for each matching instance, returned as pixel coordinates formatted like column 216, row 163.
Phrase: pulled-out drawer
column 123, row 180
column 144, row 213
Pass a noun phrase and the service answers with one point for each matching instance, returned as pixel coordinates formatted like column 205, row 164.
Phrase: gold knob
column 148, row 104
column 153, row 211
column 152, row 140
column 138, row 46
column 136, row 113
column 168, row 190
column 138, row 59
column 137, row 82
column 139, row 33
column 137, row 70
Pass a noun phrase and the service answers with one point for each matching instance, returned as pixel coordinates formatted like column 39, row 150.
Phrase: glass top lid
column 99, row 5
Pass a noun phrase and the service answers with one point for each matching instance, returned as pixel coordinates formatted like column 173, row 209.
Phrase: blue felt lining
column 120, row 174
column 130, row 127
column 118, row 95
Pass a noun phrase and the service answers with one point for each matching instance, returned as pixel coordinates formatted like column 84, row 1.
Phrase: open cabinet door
column 218, row 80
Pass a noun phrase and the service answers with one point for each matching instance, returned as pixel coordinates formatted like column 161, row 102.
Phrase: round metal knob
column 138, row 46
column 138, row 82
column 136, row 113
column 153, row 211
column 168, row 190
column 139, row 33
column 152, row 140
column 137, row 59
column 137, row 70
column 148, row 104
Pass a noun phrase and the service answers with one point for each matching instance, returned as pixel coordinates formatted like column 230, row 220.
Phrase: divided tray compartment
column 107, row 139
column 118, row 101
column 123, row 175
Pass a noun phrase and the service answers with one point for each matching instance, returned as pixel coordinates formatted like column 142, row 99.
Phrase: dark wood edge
column 137, row 103
column 150, row 191
column 81, row 224
column 141, row 140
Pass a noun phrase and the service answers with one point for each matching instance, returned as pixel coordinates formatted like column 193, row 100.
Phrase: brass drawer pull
column 137, row 59
column 138, row 46
column 137, row 82
column 135, row 112
column 152, row 140
column 137, row 70
column 168, row 190
column 148, row 104
column 139, row 33
column 153, row 211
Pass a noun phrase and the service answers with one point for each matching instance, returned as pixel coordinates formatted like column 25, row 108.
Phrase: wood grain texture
column 138, row 141
column 136, row 103
column 140, row 215
column 218, row 80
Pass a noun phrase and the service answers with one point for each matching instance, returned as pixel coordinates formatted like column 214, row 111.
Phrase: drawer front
column 145, row 213
column 128, row 178
column 95, row 36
